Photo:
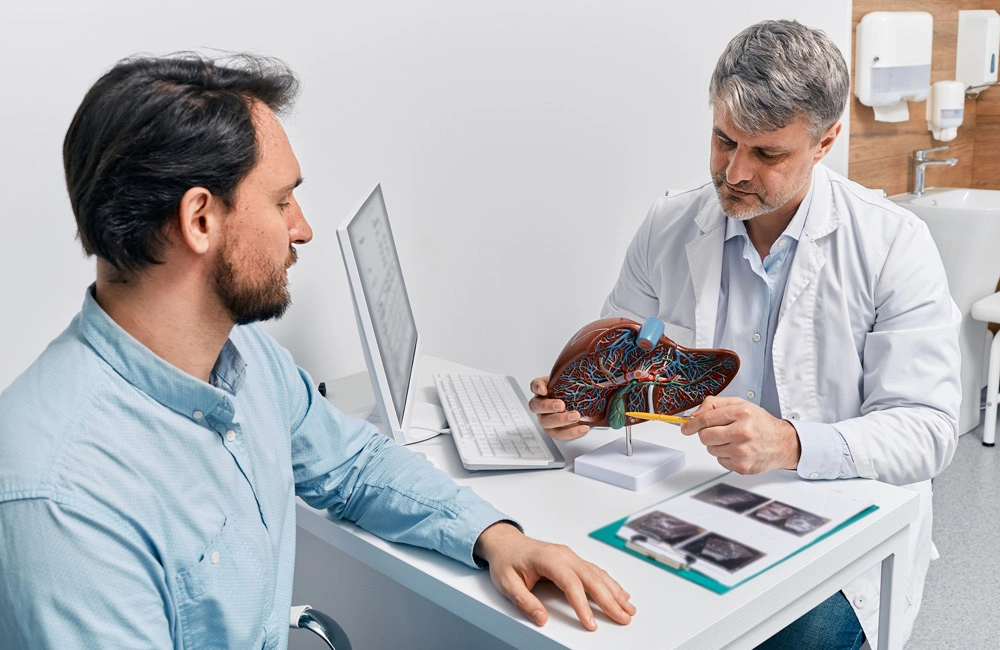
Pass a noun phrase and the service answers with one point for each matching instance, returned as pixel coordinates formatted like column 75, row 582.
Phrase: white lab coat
column 866, row 340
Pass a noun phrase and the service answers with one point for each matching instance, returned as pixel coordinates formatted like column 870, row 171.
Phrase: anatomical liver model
column 613, row 366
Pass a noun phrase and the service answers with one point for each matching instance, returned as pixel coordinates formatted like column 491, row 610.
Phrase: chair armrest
column 323, row 626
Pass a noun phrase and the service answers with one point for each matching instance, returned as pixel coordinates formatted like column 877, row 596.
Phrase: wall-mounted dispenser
column 893, row 61
column 978, row 48
column 946, row 109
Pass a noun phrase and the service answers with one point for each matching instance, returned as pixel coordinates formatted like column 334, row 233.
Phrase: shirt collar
column 736, row 227
column 153, row 376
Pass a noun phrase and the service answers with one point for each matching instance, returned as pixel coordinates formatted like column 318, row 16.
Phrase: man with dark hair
column 150, row 457
column 834, row 298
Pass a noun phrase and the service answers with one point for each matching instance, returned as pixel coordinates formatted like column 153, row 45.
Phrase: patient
column 149, row 459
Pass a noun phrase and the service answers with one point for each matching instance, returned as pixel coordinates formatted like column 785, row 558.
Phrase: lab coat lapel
column 793, row 352
column 704, row 255
column 809, row 259
column 821, row 220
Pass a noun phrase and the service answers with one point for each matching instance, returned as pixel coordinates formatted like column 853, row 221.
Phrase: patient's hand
column 518, row 563
column 552, row 414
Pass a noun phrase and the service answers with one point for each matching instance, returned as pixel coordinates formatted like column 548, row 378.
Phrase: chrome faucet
column 922, row 162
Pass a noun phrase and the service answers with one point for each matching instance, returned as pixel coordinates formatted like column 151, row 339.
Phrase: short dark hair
column 152, row 128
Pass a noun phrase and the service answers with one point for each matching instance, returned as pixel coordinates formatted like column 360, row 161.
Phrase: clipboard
column 682, row 566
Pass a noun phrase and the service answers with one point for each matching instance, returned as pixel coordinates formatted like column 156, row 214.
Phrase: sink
column 949, row 197
column 965, row 225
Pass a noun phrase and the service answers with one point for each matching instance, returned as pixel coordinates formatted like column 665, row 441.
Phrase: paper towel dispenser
column 893, row 61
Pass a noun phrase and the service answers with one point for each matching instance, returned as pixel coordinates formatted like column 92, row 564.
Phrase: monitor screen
column 385, row 295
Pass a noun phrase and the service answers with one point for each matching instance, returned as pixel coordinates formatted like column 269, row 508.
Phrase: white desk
column 559, row 506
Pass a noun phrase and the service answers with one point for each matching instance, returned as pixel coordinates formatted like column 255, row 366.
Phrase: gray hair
column 778, row 71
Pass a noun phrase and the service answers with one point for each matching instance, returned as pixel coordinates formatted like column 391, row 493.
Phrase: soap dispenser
column 945, row 109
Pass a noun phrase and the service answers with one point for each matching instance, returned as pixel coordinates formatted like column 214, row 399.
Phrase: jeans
column 831, row 625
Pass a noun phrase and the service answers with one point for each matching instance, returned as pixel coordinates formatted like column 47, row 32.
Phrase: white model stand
column 648, row 464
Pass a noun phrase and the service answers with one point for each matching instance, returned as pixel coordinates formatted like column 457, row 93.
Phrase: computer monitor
column 389, row 335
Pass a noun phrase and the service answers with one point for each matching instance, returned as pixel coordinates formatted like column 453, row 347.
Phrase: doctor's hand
column 552, row 414
column 744, row 437
column 518, row 563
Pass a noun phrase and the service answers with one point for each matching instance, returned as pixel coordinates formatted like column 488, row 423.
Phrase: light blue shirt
column 749, row 304
column 143, row 508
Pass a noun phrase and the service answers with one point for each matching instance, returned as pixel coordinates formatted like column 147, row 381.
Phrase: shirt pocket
column 222, row 600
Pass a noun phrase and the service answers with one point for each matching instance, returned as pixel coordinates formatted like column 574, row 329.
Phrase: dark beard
column 251, row 304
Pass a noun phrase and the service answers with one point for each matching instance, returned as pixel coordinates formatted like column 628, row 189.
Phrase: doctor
column 834, row 298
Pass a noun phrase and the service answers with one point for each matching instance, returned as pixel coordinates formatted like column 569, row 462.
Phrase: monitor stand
column 426, row 421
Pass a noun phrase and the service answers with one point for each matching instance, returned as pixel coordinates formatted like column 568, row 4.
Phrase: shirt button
column 860, row 601
column 781, row 242
column 230, row 435
column 198, row 415
column 751, row 394
column 814, row 475
column 215, row 557
column 756, row 336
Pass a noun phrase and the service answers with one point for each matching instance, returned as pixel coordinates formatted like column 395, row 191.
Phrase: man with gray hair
column 834, row 298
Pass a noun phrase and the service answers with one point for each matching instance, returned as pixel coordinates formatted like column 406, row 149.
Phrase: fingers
column 720, row 451
column 717, row 413
column 557, row 422
column 609, row 596
column 568, row 433
column 541, row 406
column 511, row 585
column 579, row 579
column 563, row 426
column 740, row 466
column 692, row 426
column 735, row 459
column 700, row 418
column 703, row 419
column 540, row 386
column 523, row 563
column 712, row 402
column 569, row 582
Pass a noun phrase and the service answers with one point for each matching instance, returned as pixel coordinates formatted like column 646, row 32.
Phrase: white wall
column 519, row 144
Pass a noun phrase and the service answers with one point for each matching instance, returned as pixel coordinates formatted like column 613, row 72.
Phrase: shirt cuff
column 459, row 539
column 825, row 454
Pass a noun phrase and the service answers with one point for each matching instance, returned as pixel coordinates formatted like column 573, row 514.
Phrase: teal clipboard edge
column 608, row 536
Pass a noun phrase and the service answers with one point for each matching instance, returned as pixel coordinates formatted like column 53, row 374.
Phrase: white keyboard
column 491, row 424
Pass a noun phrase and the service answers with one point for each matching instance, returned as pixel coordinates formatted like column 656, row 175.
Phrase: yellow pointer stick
column 676, row 419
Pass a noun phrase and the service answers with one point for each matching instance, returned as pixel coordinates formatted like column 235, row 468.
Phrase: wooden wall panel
column 881, row 152
column 987, row 155
column 886, row 139
column 894, row 174
column 937, row 8
column 986, row 168
column 988, row 103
